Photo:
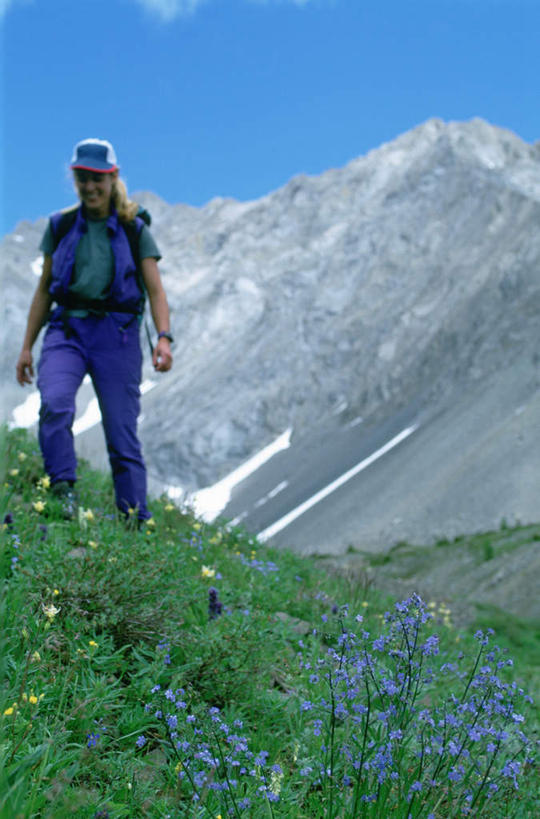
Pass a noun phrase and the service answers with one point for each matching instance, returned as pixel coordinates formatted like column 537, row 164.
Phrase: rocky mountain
column 410, row 278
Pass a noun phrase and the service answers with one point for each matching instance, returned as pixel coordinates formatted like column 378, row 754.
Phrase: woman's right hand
column 25, row 369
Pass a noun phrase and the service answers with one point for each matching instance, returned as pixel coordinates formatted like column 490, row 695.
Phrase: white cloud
column 270, row 2
column 6, row 4
column 167, row 10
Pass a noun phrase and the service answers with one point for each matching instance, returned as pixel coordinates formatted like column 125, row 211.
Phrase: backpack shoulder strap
column 132, row 230
column 61, row 223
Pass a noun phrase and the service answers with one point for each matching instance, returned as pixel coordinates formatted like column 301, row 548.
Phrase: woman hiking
column 99, row 261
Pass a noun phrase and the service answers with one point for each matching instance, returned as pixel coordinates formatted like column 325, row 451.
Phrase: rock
column 408, row 276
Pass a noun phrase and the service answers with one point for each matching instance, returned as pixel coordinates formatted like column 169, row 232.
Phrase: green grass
column 94, row 614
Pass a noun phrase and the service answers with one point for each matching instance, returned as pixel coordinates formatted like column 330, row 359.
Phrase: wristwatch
column 165, row 334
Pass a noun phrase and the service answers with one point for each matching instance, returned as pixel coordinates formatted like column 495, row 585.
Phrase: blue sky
column 205, row 98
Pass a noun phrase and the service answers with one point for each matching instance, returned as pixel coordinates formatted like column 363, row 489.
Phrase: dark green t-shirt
column 94, row 261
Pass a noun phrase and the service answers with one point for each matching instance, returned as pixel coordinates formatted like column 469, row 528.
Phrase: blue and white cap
column 94, row 155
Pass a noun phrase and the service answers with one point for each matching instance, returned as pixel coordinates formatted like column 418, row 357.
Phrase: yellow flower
column 13, row 472
column 56, row 592
column 197, row 526
column 92, row 544
column 151, row 522
column 9, row 711
column 44, row 482
column 88, row 514
column 169, row 507
column 365, row 604
column 32, row 699
column 22, row 456
column 50, row 611
column 206, row 572
column 36, row 657
column 39, row 506
column 93, row 644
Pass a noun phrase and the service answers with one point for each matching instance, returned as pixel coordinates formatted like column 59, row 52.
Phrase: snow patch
column 209, row 502
column 37, row 266
column 287, row 519
column 89, row 418
column 26, row 414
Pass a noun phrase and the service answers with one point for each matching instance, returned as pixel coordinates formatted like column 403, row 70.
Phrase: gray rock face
column 410, row 275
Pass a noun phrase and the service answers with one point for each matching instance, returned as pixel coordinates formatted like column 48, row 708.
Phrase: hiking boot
column 69, row 503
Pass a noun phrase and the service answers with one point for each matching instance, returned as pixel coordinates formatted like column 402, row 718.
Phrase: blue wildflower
column 172, row 721
column 260, row 760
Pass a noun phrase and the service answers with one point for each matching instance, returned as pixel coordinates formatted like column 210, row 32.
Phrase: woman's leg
column 115, row 369
column 61, row 370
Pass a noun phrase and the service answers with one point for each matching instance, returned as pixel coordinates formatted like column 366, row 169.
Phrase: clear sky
column 205, row 98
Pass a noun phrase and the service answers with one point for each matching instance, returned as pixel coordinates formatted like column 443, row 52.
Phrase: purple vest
column 125, row 294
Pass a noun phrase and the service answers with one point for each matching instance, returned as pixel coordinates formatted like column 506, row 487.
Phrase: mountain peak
column 405, row 281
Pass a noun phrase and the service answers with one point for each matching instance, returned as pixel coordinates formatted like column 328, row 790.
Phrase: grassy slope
column 131, row 611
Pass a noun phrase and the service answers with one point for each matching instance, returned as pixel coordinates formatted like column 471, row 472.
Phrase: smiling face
column 95, row 191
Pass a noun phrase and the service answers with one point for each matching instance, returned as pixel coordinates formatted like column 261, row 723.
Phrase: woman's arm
column 39, row 309
column 162, row 358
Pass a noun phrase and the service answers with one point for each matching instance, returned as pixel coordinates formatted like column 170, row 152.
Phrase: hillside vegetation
column 184, row 670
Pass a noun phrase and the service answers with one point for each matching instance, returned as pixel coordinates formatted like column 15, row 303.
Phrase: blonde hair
column 126, row 208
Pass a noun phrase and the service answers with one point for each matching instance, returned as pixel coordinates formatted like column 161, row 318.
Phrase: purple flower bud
column 215, row 605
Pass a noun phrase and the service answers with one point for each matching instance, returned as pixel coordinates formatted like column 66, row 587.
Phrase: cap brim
column 97, row 167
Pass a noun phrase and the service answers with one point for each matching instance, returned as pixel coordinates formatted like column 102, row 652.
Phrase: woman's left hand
column 162, row 357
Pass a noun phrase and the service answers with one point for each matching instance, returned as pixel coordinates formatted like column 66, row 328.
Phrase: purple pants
column 108, row 349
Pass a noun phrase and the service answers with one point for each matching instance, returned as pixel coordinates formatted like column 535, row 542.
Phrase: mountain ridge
column 407, row 277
